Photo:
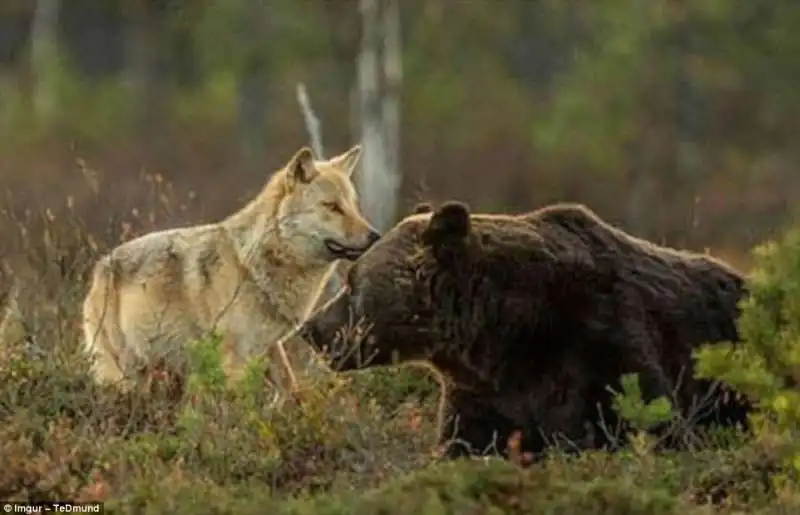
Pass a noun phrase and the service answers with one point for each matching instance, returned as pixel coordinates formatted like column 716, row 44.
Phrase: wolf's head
column 318, row 213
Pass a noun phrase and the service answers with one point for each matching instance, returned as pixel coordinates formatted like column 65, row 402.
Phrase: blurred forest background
column 676, row 119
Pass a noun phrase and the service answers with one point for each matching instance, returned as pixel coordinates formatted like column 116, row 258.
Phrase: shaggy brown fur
column 529, row 318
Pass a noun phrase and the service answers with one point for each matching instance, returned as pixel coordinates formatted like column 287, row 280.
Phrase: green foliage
column 608, row 117
column 205, row 365
column 630, row 406
column 592, row 484
column 766, row 365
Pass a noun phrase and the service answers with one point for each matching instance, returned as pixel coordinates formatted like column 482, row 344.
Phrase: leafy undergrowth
column 63, row 437
column 342, row 450
column 352, row 444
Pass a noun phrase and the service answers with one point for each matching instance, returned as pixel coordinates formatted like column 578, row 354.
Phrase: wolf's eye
column 333, row 206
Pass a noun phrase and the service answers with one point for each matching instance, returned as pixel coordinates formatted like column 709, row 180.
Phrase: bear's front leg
column 470, row 426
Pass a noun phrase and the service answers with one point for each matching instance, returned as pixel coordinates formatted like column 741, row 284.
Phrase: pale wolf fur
column 251, row 277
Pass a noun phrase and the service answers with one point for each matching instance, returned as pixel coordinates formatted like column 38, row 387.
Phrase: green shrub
column 630, row 406
column 766, row 365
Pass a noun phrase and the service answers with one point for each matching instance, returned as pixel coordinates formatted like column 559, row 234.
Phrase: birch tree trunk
column 378, row 182
column 376, row 115
column 44, row 58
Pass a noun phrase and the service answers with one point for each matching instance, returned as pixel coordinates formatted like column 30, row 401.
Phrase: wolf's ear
column 301, row 167
column 422, row 208
column 448, row 228
column 347, row 161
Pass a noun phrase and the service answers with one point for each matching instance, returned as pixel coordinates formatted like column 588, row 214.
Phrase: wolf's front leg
column 239, row 347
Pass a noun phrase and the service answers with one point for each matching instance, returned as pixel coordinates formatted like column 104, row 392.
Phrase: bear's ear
column 422, row 208
column 449, row 224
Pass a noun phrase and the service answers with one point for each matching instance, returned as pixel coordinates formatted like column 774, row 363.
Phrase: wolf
column 250, row 277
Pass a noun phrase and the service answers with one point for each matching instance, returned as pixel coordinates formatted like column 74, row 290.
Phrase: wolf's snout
column 341, row 251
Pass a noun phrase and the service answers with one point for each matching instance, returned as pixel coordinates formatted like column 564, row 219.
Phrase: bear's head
column 391, row 309
column 461, row 291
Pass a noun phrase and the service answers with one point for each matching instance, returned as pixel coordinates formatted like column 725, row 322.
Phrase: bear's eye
column 333, row 206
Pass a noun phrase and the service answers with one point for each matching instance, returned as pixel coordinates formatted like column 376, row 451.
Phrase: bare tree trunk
column 378, row 117
column 378, row 182
column 393, row 76
column 253, row 82
column 369, row 108
column 44, row 57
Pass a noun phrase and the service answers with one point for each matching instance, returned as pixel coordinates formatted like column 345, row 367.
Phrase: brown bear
column 530, row 319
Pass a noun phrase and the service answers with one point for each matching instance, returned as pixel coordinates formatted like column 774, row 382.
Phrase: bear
column 530, row 319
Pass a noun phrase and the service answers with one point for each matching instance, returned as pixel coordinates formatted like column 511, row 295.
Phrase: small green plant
column 250, row 389
column 205, row 365
column 631, row 407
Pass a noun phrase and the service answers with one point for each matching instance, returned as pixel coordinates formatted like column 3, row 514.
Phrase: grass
column 353, row 444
